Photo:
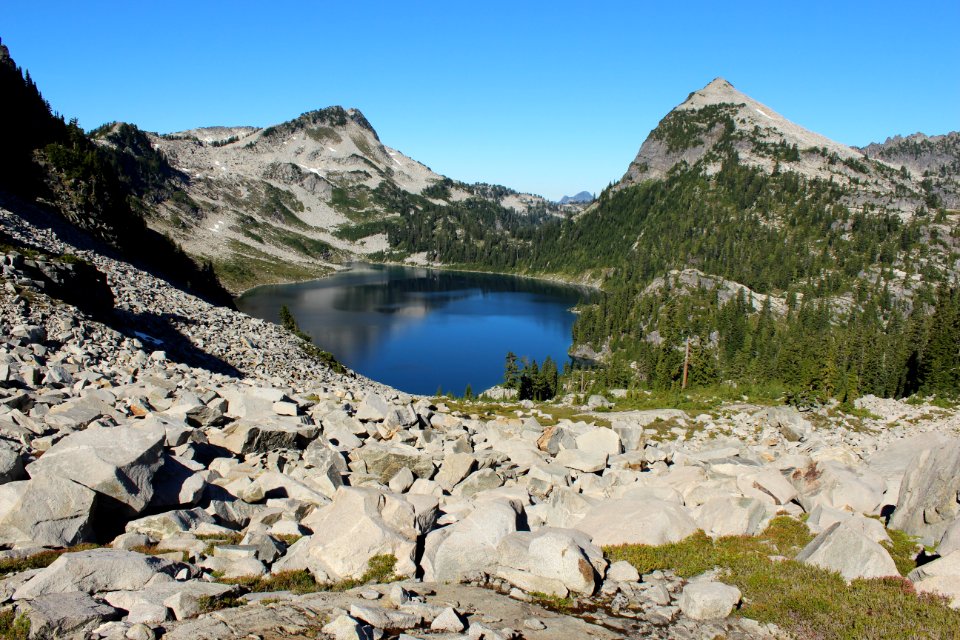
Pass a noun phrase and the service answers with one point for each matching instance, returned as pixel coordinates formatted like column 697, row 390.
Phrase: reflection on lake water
column 419, row 329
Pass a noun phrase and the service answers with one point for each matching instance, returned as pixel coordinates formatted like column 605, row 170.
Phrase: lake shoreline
column 418, row 328
column 553, row 278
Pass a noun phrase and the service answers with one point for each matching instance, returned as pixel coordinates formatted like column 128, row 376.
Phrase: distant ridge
column 581, row 198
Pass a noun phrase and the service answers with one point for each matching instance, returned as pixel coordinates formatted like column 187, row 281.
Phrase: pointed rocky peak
column 718, row 91
column 760, row 137
column 361, row 120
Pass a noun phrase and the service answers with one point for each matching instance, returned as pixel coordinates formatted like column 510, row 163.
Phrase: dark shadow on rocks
column 109, row 518
column 160, row 332
column 139, row 246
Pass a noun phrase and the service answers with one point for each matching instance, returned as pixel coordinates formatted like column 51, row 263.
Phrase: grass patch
column 299, row 581
column 354, row 203
column 323, row 135
column 40, row 560
column 215, row 540
column 702, row 399
column 212, row 603
column 903, row 549
column 12, row 626
column 493, row 410
column 221, row 538
column 857, row 412
column 552, row 602
column 356, row 232
column 156, row 550
column 379, row 570
column 805, row 600
column 249, row 267
column 362, row 145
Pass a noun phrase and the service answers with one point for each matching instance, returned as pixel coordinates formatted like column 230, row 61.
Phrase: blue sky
column 548, row 97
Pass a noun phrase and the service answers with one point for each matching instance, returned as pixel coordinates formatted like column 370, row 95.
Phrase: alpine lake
column 420, row 330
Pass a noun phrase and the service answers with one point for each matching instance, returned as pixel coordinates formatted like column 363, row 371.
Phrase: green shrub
column 804, row 600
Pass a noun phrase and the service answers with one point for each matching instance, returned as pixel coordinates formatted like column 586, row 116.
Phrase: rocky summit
column 899, row 176
column 202, row 476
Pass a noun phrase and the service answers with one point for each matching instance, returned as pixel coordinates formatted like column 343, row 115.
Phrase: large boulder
column 471, row 544
column 383, row 461
column 636, row 521
column 579, row 460
column 767, row 482
column 708, row 600
column 892, row 460
column 252, row 402
column 600, row 441
column 265, row 434
column 792, row 426
column 733, row 516
column 950, row 541
column 51, row 512
column 552, row 561
column 849, row 552
column 360, row 523
column 98, row 570
column 839, row 486
column 942, row 576
column 168, row 523
column 928, row 502
column 65, row 615
column 11, row 463
column 116, row 462
column 454, row 468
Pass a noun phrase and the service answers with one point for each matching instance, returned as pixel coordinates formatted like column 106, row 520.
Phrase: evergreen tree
column 511, row 372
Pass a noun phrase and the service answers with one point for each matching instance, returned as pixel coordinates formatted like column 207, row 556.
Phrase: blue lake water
column 423, row 329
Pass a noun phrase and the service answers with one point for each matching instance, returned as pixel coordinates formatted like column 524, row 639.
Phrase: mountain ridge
column 719, row 114
column 293, row 200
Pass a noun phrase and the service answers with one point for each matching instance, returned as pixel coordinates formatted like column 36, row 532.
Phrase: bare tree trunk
column 686, row 365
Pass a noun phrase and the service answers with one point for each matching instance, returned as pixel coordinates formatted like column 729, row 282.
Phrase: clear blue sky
column 548, row 97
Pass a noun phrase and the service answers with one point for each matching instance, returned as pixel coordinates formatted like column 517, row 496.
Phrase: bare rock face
column 470, row 545
column 637, row 521
column 553, row 561
column 950, row 541
column 359, row 524
column 720, row 114
column 65, row 615
column 708, row 600
column 942, row 576
column 54, row 512
column 843, row 549
column 929, row 498
column 118, row 462
column 97, row 570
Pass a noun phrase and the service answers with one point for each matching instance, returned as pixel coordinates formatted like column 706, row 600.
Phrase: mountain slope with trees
column 49, row 162
column 293, row 200
column 856, row 265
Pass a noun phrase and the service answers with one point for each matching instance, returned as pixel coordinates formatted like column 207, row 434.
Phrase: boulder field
column 185, row 445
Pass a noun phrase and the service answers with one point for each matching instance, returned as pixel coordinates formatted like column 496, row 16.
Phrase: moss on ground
column 804, row 600
column 38, row 560
column 12, row 626
column 379, row 570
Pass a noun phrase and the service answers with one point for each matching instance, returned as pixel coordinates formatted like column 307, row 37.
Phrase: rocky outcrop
column 223, row 460
column 719, row 116
column 929, row 499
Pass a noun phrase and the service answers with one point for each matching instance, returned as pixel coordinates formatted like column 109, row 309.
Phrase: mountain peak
column 718, row 83
column 717, row 91
column 758, row 135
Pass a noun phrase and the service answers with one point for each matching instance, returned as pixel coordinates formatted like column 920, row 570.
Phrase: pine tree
column 511, row 372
